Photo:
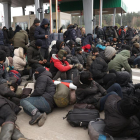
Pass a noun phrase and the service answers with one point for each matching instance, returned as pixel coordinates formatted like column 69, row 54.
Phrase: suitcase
column 82, row 117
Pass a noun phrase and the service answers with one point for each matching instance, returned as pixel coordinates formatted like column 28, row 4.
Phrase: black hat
column 2, row 55
column 38, row 42
column 40, row 69
column 36, row 21
column 128, row 106
column 94, row 50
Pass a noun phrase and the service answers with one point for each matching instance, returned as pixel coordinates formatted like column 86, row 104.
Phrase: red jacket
column 86, row 48
column 56, row 65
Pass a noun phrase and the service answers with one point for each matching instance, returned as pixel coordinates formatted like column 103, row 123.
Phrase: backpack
column 71, row 74
column 61, row 97
column 96, row 131
column 17, row 75
column 81, row 117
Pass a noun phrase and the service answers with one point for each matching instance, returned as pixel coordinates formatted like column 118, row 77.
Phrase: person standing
column 42, row 32
column 32, row 29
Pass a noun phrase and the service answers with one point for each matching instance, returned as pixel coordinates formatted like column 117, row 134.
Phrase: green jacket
column 120, row 61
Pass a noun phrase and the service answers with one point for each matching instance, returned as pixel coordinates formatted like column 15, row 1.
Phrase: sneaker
column 42, row 120
column 35, row 118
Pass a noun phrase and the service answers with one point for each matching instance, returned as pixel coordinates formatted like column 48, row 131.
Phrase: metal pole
column 23, row 11
column 41, row 6
column 50, row 16
column 121, row 16
column 101, row 13
column 36, row 7
column 56, row 16
column 114, row 21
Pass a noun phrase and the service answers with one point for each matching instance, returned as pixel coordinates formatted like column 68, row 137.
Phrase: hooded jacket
column 33, row 54
column 45, row 87
column 19, row 61
column 20, row 39
column 57, row 65
column 116, row 124
column 89, row 94
column 40, row 33
column 88, row 40
column 121, row 61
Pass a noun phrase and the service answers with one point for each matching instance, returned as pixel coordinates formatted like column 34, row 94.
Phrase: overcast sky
column 133, row 6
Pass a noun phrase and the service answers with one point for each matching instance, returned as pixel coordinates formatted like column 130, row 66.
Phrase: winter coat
column 89, row 94
column 33, row 54
column 89, row 61
column 6, row 39
column 4, row 76
column 1, row 37
column 78, row 33
column 57, row 65
column 45, row 87
column 100, row 33
column 80, row 58
column 19, row 61
column 129, row 34
column 6, row 49
column 40, row 33
column 20, row 39
column 98, row 69
column 101, row 47
column 121, row 61
column 10, row 34
column 87, row 40
column 116, row 124
column 135, row 51
column 32, row 31
column 70, row 34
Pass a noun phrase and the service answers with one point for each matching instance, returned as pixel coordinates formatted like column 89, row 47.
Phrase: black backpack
column 71, row 74
column 82, row 117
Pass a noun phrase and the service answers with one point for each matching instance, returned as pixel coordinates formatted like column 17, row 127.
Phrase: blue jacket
column 101, row 47
column 70, row 34
column 40, row 33
column 88, row 40
column 4, row 76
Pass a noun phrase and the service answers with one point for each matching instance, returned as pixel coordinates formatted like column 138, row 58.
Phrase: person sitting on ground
column 90, row 92
column 99, row 70
column 71, row 44
column 19, row 61
column 8, row 112
column 59, row 66
column 41, row 100
column 119, row 117
column 121, row 61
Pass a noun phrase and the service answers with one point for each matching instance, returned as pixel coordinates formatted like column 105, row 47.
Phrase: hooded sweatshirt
column 40, row 33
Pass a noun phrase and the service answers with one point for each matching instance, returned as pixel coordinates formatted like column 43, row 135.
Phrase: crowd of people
column 98, row 64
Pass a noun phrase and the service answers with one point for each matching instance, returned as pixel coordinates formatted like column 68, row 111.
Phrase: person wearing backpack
column 90, row 92
column 119, row 117
column 41, row 101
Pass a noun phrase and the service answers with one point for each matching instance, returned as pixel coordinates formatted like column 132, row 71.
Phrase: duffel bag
column 61, row 97
column 84, row 106
column 82, row 117
column 96, row 131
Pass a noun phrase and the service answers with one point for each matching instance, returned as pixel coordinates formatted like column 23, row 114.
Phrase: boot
column 17, row 135
column 7, row 131
column 42, row 120
column 35, row 118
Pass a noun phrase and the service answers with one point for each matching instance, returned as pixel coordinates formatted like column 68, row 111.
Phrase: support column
column 7, row 13
column 88, row 15
column 114, row 20
column 56, row 16
column 51, row 22
column 23, row 11
column 37, row 5
column 41, row 6
column 101, row 13
column 121, row 17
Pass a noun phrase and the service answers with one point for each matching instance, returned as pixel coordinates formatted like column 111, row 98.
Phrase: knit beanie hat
column 109, row 52
column 94, row 50
column 61, row 54
column 128, row 107
column 2, row 55
column 36, row 21
column 10, row 61
column 59, row 44
column 78, row 41
column 38, row 42
column 136, row 45
column 40, row 69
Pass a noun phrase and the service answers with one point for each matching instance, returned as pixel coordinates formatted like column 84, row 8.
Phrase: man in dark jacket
column 90, row 92
column 10, row 33
column 32, row 29
column 88, row 40
column 119, row 118
column 129, row 36
column 42, row 32
column 5, row 34
column 8, row 112
column 41, row 100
